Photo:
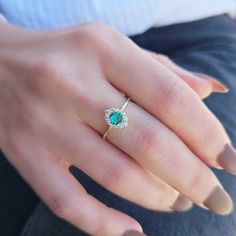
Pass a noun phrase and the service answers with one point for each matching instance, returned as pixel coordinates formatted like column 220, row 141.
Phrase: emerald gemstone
column 116, row 117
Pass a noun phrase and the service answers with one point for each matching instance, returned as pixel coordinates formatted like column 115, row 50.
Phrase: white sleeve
column 2, row 18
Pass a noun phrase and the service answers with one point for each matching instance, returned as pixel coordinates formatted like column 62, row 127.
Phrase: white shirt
column 128, row 16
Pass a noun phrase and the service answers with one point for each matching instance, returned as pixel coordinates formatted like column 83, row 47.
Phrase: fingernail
column 182, row 204
column 217, row 86
column 227, row 159
column 133, row 233
column 219, row 201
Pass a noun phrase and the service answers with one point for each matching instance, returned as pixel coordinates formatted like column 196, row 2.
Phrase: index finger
column 163, row 94
column 63, row 193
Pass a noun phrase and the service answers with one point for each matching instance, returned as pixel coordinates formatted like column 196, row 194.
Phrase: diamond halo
column 116, row 118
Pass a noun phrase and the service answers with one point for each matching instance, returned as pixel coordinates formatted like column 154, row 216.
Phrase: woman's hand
column 54, row 88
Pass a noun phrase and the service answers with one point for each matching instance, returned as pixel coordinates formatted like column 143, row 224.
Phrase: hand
column 54, row 88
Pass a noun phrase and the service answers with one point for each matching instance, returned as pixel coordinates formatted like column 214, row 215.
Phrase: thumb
column 202, row 84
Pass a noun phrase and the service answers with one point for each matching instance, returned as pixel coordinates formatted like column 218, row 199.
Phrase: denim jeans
column 206, row 46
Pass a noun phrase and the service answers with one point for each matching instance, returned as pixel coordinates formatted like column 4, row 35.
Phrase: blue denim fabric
column 207, row 46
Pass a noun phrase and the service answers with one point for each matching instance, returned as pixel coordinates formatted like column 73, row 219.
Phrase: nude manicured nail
column 182, row 204
column 217, row 86
column 219, row 201
column 227, row 159
column 133, row 233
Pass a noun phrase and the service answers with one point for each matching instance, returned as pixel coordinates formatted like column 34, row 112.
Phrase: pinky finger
column 202, row 84
column 64, row 195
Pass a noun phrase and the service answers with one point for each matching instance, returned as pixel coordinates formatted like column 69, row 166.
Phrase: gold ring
column 116, row 118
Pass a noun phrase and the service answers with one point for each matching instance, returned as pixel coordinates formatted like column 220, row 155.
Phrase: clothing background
column 131, row 17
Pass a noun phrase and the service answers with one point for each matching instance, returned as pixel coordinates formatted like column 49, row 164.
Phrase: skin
column 54, row 87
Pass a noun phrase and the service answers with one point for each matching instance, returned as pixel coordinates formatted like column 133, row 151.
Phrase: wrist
column 13, row 41
column 6, row 27
column 11, row 34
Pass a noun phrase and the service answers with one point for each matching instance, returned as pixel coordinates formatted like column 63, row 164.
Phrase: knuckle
column 190, row 186
column 42, row 73
column 209, row 130
column 94, row 25
column 208, row 136
column 49, row 74
column 148, row 145
column 98, row 26
column 117, row 176
column 62, row 205
column 83, row 34
column 44, row 67
column 146, row 141
column 97, row 37
column 103, row 229
column 175, row 98
column 84, row 96
column 193, row 186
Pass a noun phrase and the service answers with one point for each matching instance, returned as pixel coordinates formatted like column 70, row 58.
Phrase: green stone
column 116, row 117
